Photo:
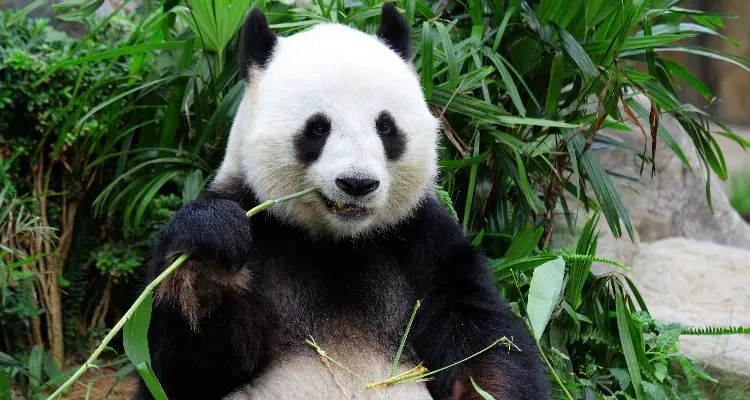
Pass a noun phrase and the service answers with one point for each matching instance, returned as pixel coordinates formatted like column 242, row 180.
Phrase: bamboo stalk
column 176, row 264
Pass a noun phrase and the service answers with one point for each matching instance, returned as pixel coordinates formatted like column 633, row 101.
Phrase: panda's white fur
column 308, row 377
column 351, row 77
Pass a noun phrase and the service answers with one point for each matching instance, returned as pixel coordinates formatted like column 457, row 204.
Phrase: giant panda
column 342, row 111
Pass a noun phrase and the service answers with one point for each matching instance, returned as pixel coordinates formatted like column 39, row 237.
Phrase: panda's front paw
column 216, row 232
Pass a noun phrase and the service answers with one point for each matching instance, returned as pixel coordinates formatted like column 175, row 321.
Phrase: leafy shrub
column 46, row 156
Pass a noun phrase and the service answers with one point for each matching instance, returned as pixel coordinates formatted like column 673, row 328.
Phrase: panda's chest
column 371, row 299
column 333, row 335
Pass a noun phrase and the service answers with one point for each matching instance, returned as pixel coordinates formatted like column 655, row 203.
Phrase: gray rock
column 698, row 283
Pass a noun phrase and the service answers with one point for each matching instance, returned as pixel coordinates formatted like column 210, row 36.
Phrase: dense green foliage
column 135, row 116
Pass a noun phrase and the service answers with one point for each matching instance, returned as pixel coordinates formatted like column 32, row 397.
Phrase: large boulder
column 699, row 283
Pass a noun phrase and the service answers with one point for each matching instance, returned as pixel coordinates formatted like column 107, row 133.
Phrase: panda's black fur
column 255, row 288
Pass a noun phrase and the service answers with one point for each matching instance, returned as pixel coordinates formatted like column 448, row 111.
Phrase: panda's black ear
column 394, row 30
column 257, row 42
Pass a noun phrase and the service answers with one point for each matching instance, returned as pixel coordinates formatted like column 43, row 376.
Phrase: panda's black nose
column 356, row 186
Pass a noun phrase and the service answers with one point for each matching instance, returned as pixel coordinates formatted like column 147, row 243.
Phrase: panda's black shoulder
column 432, row 225
column 433, row 243
column 234, row 189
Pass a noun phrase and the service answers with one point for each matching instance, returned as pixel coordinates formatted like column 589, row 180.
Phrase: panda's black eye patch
column 318, row 125
column 384, row 125
column 393, row 139
column 309, row 142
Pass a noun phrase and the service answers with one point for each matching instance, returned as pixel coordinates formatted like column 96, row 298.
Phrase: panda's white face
column 335, row 109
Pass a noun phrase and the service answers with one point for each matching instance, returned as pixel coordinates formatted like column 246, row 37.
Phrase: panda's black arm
column 204, row 335
column 462, row 313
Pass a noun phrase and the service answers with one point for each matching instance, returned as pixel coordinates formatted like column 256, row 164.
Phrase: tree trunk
column 36, row 322
column 100, row 313
column 56, row 341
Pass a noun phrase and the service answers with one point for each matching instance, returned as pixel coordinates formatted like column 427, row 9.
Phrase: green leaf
column 214, row 22
column 609, row 199
column 524, row 242
column 687, row 76
column 510, row 85
column 554, row 87
column 475, row 108
column 574, row 50
column 135, row 333
column 741, row 62
column 124, row 94
column 665, row 340
column 223, row 113
column 654, row 391
column 445, row 200
column 622, row 376
column 524, row 185
column 194, row 183
column 503, row 269
column 450, row 55
column 35, row 367
column 6, row 376
column 463, row 162
column 485, row 395
column 472, row 186
column 172, row 115
column 114, row 53
column 544, row 292
column 22, row 13
column 426, row 60
column 501, row 29
column 153, row 385
column 635, row 43
column 157, row 184
column 579, row 270
column 477, row 242
column 716, row 331
column 626, row 341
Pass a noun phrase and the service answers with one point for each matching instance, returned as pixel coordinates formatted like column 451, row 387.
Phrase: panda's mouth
column 344, row 209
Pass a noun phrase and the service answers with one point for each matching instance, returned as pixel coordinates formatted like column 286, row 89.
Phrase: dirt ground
column 102, row 387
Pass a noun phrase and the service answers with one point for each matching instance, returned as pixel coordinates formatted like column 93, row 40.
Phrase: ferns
column 716, row 331
column 591, row 258
column 445, row 200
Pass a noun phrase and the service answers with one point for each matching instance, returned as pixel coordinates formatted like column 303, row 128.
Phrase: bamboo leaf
column 555, row 86
column 609, row 199
column 472, row 186
column 485, row 395
column 510, row 85
column 450, row 55
column 426, row 52
column 153, row 385
column 623, row 327
column 35, row 367
column 577, row 53
column 114, row 53
column 135, row 333
column 544, row 292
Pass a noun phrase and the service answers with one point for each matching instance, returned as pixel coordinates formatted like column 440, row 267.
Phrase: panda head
column 336, row 109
